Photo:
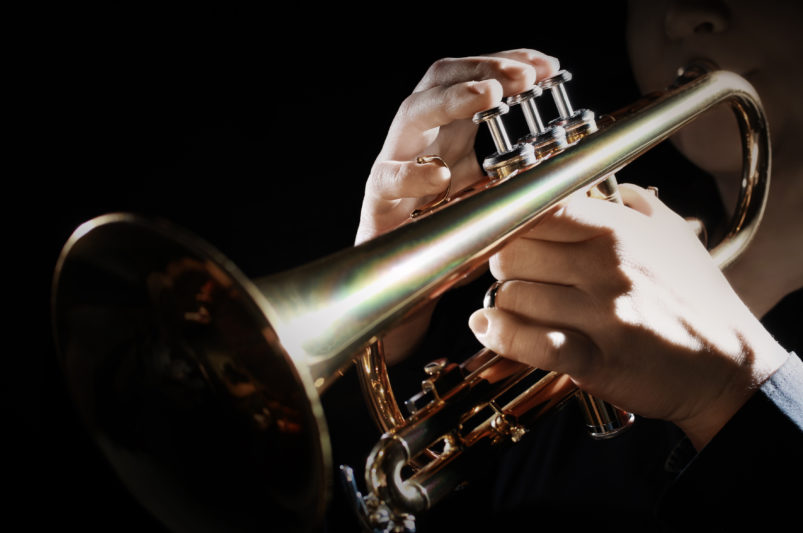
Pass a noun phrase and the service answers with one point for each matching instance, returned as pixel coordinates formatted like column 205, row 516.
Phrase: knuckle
column 508, row 295
column 566, row 350
column 438, row 68
column 370, row 185
column 384, row 179
column 521, row 51
column 581, row 356
column 548, row 349
column 395, row 179
column 373, row 183
column 489, row 67
column 493, row 95
column 407, row 107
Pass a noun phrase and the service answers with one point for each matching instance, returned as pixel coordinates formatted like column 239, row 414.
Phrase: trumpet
column 202, row 387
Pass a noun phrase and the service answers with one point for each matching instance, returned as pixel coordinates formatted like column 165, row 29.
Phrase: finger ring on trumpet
column 443, row 197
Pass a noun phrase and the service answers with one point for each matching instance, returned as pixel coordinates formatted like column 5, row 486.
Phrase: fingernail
column 478, row 323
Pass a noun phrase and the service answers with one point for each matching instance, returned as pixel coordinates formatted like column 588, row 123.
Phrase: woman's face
column 760, row 40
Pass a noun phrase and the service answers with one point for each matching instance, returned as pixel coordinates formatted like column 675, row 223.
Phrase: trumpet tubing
column 202, row 386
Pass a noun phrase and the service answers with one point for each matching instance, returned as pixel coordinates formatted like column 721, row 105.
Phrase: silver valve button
column 493, row 118
column 545, row 141
column 527, row 101
column 508, row 159
column 556, row 85
column 578, row 123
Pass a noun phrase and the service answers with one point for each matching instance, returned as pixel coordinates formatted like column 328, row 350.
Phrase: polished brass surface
column 376, row 387
column 201, row 387
column 501, row 166
column 550, row 142
column 577, row 126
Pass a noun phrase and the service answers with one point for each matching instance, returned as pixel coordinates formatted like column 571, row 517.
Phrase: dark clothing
column 750, row 472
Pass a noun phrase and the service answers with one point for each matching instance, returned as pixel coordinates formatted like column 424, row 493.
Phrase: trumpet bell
column 179, row 377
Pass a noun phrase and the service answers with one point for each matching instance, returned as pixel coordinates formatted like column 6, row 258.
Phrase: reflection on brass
column 202, row 386
column 376, row 387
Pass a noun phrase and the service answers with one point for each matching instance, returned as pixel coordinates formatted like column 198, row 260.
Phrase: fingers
column 438, row 106
column 515, row 70
column 454, row 89
column 535, row 324
column 531, row 343
column 545, row 65
column 435, row 119
column 545, row 303
column 545, row 261
column 391, row 180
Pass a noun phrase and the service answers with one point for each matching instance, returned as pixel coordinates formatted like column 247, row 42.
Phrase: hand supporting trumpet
column 628, row 303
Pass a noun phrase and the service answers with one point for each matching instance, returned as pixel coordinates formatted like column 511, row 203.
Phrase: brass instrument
column 202, row 387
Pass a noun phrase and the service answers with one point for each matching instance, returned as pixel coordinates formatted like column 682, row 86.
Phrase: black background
column 255, row 129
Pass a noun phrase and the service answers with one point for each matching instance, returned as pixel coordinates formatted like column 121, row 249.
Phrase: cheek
column 651, row 55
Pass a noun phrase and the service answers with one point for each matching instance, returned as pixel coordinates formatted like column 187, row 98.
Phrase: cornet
column 202, row 387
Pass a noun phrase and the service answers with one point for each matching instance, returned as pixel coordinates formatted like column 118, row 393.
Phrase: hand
column 629, row 304
column 436, row 120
